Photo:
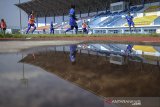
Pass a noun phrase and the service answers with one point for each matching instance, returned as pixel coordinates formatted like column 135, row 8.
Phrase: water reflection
column 123, row 52
column 101, row 68
column 44, row 89
column 104, row 68
column 73, row 52
column 129, row 49
column 24, row 80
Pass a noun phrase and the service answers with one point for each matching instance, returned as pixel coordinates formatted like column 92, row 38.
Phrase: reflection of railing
column 24, row 81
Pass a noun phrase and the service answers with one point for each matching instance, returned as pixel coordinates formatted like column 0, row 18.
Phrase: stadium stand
column 147, row 16
column 157, row 21
column 146, row 20
column 152, row 9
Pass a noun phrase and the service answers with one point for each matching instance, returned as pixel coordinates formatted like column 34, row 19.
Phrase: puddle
column 24, row 85
column 77, row 75
column 103, row 68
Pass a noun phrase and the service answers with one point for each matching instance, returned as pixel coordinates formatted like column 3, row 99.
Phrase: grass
column 73, row 35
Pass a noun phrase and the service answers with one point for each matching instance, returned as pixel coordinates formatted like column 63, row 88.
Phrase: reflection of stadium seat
column 152, row 9
column 145, row 48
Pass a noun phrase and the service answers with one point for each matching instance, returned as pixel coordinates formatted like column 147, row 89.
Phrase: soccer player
column 84, row 27
column 51, row 28
column 31, row 22
column 72, row 21
column 3, row 26
column 129, row 19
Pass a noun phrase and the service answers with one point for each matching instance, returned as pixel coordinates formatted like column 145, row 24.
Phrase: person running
column 31, row 22
column 72, row 21
column 51, row 28
column 129, row 19
column 3, row 26
column 84, row 27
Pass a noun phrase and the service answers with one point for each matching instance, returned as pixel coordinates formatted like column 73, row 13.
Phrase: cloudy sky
column 10, row 13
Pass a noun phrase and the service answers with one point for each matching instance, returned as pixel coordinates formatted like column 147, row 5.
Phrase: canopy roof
column 60, row 7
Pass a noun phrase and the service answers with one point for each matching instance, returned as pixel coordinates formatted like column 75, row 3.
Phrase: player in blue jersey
column 51, row 28
column 129, row 19
column 72, row 20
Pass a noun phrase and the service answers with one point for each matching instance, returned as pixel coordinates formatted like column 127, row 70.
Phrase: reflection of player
column 84, row 27
column 129, row 49
column 73, row 51
column 129, row 19
column 72, row 21
column 31, row 23
column 51, row 28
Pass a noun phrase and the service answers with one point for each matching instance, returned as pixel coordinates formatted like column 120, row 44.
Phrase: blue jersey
column 72, row 15
column 51, row 26
column 129, row 19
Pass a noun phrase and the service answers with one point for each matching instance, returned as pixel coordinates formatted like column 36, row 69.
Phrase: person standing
column 3, row 26
column 0, row 28
column 51, row 28
column 84, row 27
column 129, row 19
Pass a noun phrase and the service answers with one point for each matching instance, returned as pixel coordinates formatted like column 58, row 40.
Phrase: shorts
column 130, row 24
column 72, row 22
column 31, row 24
column 84, row 29
column 4, row 29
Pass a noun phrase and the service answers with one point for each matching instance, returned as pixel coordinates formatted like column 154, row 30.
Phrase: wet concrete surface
column 43, row 77
column 16, row 46
column 24, row 85
column 96, row 74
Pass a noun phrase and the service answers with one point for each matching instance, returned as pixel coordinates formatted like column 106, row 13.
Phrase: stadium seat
column 157, row 21
column 146, row 20
column 152, row 9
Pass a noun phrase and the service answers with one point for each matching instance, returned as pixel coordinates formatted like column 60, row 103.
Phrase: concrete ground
column 16, row 46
